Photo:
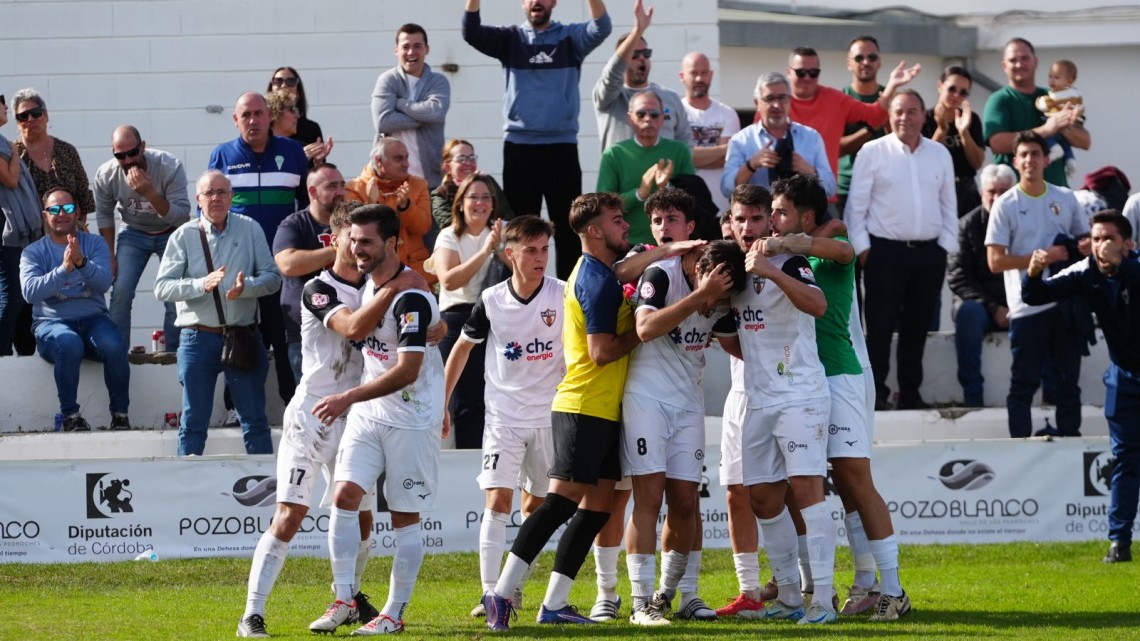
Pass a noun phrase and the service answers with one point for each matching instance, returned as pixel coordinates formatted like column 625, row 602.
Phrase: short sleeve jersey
column 593, row 304
column 833, row 329
column 297, row 231
column 404, row 327
column 330, row 363
column 781, row 360
column 524, row 361
column 671, row 368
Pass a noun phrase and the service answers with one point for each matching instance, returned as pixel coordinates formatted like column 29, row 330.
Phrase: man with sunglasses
column 146, row 190
column 863, row 61
column 65, row 277
column 626, row 73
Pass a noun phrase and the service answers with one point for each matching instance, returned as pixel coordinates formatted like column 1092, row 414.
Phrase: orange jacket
column 415, row 221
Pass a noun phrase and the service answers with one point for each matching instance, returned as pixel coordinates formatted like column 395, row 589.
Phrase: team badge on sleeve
column 319, row 301
column 410, row 322
column 548, row 316
column 806, row 274
column 647, row 291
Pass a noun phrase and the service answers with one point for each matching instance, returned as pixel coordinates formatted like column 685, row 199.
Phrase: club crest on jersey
column 806, row 274
column 548, row 316
column 1055, row 207
column 758, row 284
column 647, row 291
column 410, row 322
column 320, row 301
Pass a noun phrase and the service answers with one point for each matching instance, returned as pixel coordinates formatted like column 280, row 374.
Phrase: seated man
column 65, row 277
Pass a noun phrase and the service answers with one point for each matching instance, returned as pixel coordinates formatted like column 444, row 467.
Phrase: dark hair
column 751, row 196
column 864, row 38
column 587, row 207
column 411, row 28
column 524, row 228
column 1030, row 137
column 725, row 252
column 806, row 194
column 1020, row 41
column 672, row 198
column 624, row 37
column 804, row 52
column 340, row 216
column 1113, row 217
column 910, row 92
column 726, row 216
column 956, row 70
column 458, row 220
column 315, row 171
column 1068, row 66
column 302, row 102
column 57, row 189
column 385, row 218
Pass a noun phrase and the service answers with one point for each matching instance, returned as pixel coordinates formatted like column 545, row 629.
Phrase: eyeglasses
column 56, row 210
column 800, row 73
column 462, row 158
column 35, row 112
column 216, row 193
column 859, row 58
column 642, row 53
column 954, row 91
column 478, row 197
column 123, row 155
column 771, row 100
column 642, row 114
column 287, row 82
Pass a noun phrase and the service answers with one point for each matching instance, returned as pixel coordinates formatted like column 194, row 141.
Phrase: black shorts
column 585, row 448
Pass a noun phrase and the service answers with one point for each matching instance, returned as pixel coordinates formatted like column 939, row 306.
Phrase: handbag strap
column 210, row 270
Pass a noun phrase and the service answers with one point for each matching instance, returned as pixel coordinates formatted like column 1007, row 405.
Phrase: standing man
column 712, row 121
column 410, row 103
column 863, row 61
column 1011, row 110
column 303, row 247
column 1110, row 281
column 542, row 65
column 1037, row 215
column 902, row 214
column 64, row 276
column 243, row 273
column 267, row 173
column 146, row 189
column 627, row 73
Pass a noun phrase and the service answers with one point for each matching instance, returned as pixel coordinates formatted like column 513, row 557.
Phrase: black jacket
column 968, row 273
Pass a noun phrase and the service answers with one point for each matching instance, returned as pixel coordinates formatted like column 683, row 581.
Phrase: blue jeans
column 295, row 360
column 133, row 250
column 1122, row 409
column 971, row 324
column 1041, row 344
column 199, row 363
column 11, row 300
column 65, row 344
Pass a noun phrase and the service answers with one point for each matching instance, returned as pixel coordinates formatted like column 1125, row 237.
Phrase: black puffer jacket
column 968, row 273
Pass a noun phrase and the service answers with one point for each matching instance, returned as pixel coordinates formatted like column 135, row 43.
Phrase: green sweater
column 621, row 170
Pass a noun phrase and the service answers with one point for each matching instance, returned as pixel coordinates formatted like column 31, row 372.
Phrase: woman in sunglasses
column 952, row 123
column 308, row 132
column 459, row 163
column 20, row 219
column 52, row 162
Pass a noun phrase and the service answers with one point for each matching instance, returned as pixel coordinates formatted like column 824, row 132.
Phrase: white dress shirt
column 902, row 195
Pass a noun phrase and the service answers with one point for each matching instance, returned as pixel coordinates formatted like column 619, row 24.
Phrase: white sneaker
column 818, row 614
column 478, row 612
column 649, row 616
column 605, row 610
column 338, row 614
column 382, row 624
column 891, row 608
column 252, row 627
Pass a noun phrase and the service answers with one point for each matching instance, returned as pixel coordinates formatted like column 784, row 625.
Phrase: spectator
column 243, row 276
column 410, row 103
column 146, row 190
column 864, row 62
column 626, row 73
column 952, row 122
column 1036, row 215
column 712, row 122
column 542, row 65
column 459, row 162
column 775, row 147
column 1132, row 213
column 464, row 254
column 638, row 167
column 283, row 114
column 979, row 294
column 65, row 277
column 22, row 225
column 303, row 247
column 902, row 231
column 308, row 132
column 1011, row 109
column 386, row 181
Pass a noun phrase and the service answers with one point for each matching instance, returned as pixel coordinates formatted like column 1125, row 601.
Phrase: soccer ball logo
column 513, row 352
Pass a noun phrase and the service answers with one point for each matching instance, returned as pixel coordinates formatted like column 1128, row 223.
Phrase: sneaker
column 770, row 590
column 382, row 624
column 649, row 614
column 817, row 613
column 365, row 611
column 232, row 419
column 695, row 609
column 1118, row 552
column 777, row 609
column 809, row 598
column 252, row 627
column 479, row 611
column 860, row 600
column 568, row 614
column 338, row 614
column 76, row 423
column 119, row 421
column 605, row 610
column 517, row 599
column 891, row 608
column 744, row 607
column 498, row 612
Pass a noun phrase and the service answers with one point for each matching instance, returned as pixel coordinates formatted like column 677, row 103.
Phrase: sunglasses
column 288, row 82
column 801, row 73
column 641, row 114
column 35, row 112
column 954, row 91
column 642, row 53
column 56, row 210
column 123, row 155
column 871, row 57
column 465, row 158
column 771, row 100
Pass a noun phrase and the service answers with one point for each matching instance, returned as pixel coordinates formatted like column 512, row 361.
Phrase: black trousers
column 534, row 172
column 902, row 283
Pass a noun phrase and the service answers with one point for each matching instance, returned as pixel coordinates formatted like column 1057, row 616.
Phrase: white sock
column 406, row 564
column 362, row 554
column 747, row 572
column 642, row 574
column 886, row 554
column 511, row 576
column 605, row 566
column 268, row 559
column 860, row 551
column 688, row 584
column 673, row 564
column 558, row 591
column 821, row 551
column 492, row 543
column 344, row 543
column 780, row 543
column 806, row 584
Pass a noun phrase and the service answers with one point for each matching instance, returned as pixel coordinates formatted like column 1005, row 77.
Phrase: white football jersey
column 781, row 360
column 524, row 362
column 330, row 364
column 671, row 368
